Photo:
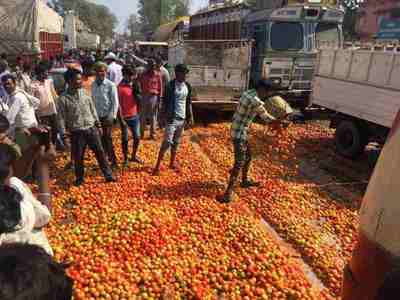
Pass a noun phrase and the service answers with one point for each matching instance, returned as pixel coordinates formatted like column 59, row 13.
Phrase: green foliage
column 133, row 28
column 153, row 13
column 97, row 17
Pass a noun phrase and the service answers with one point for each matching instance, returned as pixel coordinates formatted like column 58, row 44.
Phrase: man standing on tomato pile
column 105, row 96
column 129, row 95
column 273, row 110
column 152, row 90
column 77, row 114
column 177, row 108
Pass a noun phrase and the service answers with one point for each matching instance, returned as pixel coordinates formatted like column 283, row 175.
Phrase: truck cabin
column 151, row 49
column 286, row 41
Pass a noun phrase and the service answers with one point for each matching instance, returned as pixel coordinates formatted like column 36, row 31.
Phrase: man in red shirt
column 152, row 89
column 129, row 101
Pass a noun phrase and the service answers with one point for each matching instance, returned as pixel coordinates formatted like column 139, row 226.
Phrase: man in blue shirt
column 178, row 111
column 105, row 96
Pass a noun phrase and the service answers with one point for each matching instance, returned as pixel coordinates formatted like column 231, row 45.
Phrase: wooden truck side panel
column 360, row 84
column 365, row 102
column 219, row 70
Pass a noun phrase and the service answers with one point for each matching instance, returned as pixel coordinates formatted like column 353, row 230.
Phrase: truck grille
column 301, row 85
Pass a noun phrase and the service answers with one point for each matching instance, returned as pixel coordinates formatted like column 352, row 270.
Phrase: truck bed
column 209, row 97
column 362, row 84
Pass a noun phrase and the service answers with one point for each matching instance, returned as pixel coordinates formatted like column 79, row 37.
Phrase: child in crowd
column 21, row 216
column 27, row 272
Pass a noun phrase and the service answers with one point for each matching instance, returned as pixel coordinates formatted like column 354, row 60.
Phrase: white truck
column 361, row 90
column 219, row 70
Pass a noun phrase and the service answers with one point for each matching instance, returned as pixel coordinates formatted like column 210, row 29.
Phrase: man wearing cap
column 114, row 70
column 105, row 96
column 152, row 90
column 273, row 110
column 178, row 111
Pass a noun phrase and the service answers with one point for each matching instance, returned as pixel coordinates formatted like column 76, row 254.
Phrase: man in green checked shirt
column 272, row 110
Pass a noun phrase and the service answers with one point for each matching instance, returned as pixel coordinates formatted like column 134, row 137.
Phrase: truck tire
column 350, row 139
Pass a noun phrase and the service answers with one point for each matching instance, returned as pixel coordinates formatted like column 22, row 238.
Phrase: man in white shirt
column 44, row 90
column 32, row 140
column 114, row 71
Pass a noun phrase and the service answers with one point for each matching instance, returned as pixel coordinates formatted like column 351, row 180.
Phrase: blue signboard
column 389, row 29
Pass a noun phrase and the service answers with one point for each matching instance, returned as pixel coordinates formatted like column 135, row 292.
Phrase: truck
column 219, row 70
column 287, row 36
column 360, row 91
column 30, row 28
column 287, row 41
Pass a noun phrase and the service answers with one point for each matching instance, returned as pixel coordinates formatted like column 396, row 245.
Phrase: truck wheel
column 350, row 139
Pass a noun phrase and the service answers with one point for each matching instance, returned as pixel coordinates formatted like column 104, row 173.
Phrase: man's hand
column 110, row 120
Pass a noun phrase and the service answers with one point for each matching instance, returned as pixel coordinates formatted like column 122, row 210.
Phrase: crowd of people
column 36, row 122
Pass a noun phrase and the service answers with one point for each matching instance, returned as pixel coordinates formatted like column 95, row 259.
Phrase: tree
column 153, row 13
column 133, row 28
column 97, row 17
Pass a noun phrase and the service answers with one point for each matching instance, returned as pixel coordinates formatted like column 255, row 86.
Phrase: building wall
column 370, row 14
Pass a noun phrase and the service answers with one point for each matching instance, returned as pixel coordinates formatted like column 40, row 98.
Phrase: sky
column 123, row 8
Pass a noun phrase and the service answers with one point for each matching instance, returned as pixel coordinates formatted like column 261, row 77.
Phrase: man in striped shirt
column 271, row 109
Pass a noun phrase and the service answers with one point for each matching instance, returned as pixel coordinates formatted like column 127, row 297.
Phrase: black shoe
column 224, row 199
column 249, row 184
column 111, row 179
column 79, row 182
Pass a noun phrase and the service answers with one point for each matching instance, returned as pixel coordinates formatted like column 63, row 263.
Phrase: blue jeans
column 134, row 127
column 173, row 133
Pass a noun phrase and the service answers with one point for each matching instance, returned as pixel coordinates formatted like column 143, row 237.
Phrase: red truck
column 30, row 28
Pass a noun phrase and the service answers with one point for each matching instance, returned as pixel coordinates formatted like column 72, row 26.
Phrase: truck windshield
column 327, row 36
column 287, row 36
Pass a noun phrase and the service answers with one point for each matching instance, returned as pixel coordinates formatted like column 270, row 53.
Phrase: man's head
column 181, row 70
column 27, row 68
column 42, row 72
column 73, row 78
column 10, row 83
column 3, row 65
column 129, row 73
column 110, row 58
column 8, row 157
column 264, row 89
column 10, row 209
column 159, row 62
column 151, row 64
column 101, row 70
column 27, row 272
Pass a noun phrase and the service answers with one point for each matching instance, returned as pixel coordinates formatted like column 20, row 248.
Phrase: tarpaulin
column 21, row 21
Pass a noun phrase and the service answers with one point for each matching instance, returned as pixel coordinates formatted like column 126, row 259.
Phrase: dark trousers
column 242, row 162
column 106, row 140
column 79, row 141
column 51, row 121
